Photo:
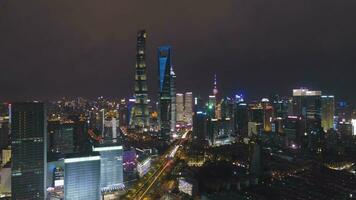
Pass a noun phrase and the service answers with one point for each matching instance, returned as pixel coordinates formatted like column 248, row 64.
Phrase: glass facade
column 82, row 178
column 111, row 170
column 29, row 156
column 140, row 111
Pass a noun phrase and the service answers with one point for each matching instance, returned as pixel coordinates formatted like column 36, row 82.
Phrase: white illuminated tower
column 180, row 107
column 188, row 107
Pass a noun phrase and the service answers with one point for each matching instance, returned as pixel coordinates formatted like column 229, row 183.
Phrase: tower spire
column 215, row 88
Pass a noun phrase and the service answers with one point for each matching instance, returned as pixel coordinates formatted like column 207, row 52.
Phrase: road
column 166, row 160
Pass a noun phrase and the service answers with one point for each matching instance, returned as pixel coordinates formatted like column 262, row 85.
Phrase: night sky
column 87, row 48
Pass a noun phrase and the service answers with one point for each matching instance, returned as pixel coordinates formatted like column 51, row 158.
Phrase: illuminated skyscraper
column 307, row 103
column 180, row 107
column 211, row 106
column 327, row 112
column 166, row 91
column 82, row 177
column 140, row 116
column 29, row 151
column 188, row 107
column 111, row 166
column 173, row 101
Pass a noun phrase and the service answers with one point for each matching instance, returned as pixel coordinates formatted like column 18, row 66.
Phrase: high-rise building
column 180, row 107
column 166, row 88
column 188, row 107
column 61, row 136
column 123, row 113
column 80, row 137
column 241, row 117
column 4, row 133
column 29, row 157
column 294, row 129
column 173, row 101
column 255, row 157
column 327, row 112
column 307, row 104
column 219, row 131
column 140, row 118
column 211, row 106
column 82, row 177
column 111, row 166
column 199, row 126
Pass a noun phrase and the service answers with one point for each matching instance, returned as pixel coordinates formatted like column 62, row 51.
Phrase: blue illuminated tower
column 166, row 91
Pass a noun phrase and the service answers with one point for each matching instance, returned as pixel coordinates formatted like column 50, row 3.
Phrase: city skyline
column 66, row 55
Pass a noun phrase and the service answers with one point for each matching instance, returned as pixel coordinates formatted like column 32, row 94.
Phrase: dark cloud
column 87, row 48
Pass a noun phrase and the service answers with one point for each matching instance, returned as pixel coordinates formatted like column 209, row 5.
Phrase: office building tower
column 199, row 126
column 267, row 115
column 80, row 137
column 241, row 117
column 227, row 108
column 219, row 131
column 166, row 81
column 82, row 178
column 180, row 107
column 4, row 132
column 5, row 156
column 294, row 130
column 111, row 166
column 327, row 112
column 123, row 114
column 282, row 107
column 211, row 106
column 173, row 101
column 307, row 104
column 29, row 157
column 111, row 126
column 61, row 136
column 255, row 157
column 188, row 107
column 140, row 118
column 5, row 181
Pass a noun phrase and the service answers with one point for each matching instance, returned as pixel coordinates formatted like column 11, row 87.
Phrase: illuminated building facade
column 140, row 118
column 199, row 126
column 124, row 114
column 82, row 178
column 111, row 166
column 166, row 91
column 188, row 107
column 307, row 104
column 143, row 165
column 61, row 136
column 180, row 107
column 241, row 117
column 29, row 151
column 211, row 106
column 327, row 112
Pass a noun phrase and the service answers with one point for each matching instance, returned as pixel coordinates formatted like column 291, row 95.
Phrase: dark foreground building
column 28, row 151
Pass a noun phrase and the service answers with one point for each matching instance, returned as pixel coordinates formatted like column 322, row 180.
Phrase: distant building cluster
column 107, row 148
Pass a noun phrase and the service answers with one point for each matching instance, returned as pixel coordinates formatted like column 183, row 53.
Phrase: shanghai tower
column 140, row 116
